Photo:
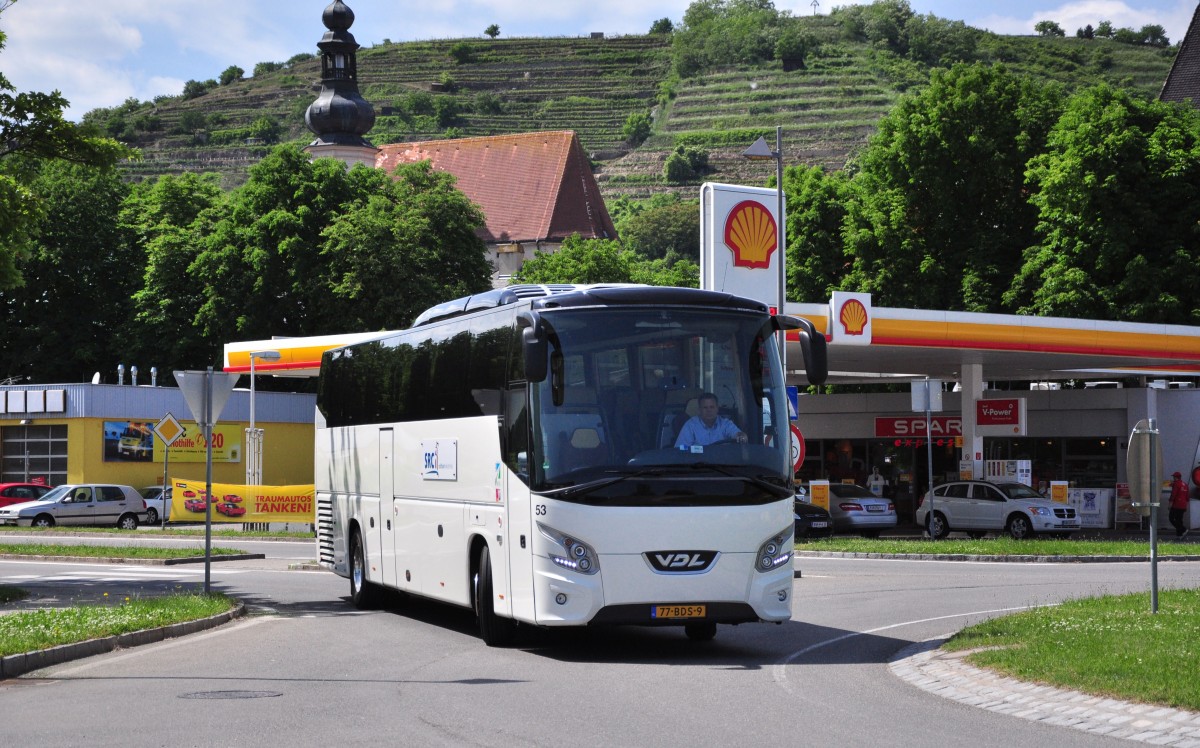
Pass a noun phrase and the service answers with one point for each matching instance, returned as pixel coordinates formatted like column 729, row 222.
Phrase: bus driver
column 708, row 427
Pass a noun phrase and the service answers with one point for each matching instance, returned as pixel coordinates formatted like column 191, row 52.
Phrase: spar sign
column 739, row 241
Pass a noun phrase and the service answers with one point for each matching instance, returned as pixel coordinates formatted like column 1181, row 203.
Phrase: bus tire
column 493, row 629
column 362, row 593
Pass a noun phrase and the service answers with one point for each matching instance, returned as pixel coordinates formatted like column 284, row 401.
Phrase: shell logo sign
column 851, row 317
column 751, row 234
column 740, row 252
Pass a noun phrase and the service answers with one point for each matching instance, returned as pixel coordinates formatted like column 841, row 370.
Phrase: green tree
column 72, row 315
column 194, row 89
column 604, row 261
column 724, row 32
column 168, row 219
column 262, row 68
column 310, row 248
column 492, row 31
column 817, row 261
column 669, row 231
column 462, row 53
column 264, row 128
column 1118, row 195
column 231, row 74
column 33, row 130
column 407, row 242
column 662, row 26
column 943, row 215
column 685, row 163
column 1048, row 28
column 637, row 128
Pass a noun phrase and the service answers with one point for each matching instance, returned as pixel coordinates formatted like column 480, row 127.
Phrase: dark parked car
column 812, row 521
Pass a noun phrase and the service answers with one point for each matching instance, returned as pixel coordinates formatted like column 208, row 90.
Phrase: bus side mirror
column 533, row 343
column 812, row 345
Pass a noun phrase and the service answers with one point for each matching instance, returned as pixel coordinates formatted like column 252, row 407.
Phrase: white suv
column 978, row 507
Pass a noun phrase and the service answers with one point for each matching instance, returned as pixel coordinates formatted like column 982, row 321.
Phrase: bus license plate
column 678, row 611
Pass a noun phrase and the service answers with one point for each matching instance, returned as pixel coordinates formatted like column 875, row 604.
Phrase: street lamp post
column 254, row 435
column 760, row 151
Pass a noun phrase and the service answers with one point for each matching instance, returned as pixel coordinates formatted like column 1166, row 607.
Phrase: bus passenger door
column 387, row 509
column 520, row 545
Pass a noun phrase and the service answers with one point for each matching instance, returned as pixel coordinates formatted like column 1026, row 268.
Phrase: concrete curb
column 946, row 674
column 18, row 664
column 137, row 561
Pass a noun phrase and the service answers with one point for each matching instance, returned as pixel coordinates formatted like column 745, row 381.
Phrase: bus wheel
column 362, row 592
column 494, row 630
column 700, row 632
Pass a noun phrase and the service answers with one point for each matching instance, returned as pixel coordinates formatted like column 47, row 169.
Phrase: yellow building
column 77, row 433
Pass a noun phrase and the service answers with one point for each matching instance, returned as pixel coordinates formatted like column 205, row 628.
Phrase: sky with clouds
column 100, row 53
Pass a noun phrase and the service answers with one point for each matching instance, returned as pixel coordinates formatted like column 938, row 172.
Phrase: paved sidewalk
column 946, row 674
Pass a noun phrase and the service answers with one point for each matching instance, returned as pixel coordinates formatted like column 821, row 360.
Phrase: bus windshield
column 639, row 402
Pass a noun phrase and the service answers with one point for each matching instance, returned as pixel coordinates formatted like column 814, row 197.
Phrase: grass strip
column 1109, row 646
column 175, row 530
column 28, row 631
column 1000, row 546
column 105, row 551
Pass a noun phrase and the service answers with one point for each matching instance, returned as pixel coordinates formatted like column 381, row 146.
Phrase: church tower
column 340, row 116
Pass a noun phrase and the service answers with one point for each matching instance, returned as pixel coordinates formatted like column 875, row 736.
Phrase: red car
column 233, row 497
column 195, row 505
column 19, row 493
column 230, row 509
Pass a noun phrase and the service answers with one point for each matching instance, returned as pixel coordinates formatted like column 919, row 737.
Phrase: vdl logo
column 431, row 461
column 681, row 562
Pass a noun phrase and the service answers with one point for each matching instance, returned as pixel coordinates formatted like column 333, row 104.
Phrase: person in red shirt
column 1179, row 502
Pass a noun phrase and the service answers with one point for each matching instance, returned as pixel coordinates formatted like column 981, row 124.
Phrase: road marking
column 780, row 668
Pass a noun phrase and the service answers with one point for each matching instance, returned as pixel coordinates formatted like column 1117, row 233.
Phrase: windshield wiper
column 598, row 483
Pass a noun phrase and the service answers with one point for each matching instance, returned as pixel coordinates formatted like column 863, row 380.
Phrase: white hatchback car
column 978, row 507
column 80, row 504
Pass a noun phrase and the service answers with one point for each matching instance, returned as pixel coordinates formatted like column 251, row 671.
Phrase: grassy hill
column 469, row 87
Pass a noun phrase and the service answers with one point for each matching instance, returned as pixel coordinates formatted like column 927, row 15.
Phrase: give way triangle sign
column 196, row 384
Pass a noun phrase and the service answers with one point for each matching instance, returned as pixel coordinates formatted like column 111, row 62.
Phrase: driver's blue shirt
column 695, row 433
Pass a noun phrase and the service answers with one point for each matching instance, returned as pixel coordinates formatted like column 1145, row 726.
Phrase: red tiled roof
column 531, row 187
column 1183, row 82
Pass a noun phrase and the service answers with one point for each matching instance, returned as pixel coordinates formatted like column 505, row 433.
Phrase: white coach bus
column 515, row 453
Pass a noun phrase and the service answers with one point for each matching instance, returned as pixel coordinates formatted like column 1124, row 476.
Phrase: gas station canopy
column 901, row 345
column 906, row 344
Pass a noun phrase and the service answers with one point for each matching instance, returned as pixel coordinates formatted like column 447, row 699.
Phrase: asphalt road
column 308, row 669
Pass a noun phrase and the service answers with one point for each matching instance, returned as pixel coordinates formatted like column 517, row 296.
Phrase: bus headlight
column 570, row 553
column 776, row 552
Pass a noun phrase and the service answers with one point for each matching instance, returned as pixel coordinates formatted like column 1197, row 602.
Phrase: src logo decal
column 681, row 562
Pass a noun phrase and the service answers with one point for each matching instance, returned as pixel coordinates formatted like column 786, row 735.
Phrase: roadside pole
column 1143, row 465
column 925, row 397
column 206, row 402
